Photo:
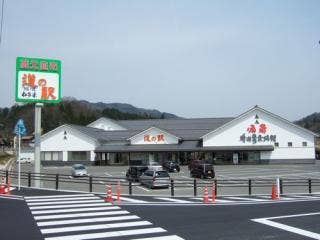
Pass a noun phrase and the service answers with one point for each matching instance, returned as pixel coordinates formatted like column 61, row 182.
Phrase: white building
column 256, row 136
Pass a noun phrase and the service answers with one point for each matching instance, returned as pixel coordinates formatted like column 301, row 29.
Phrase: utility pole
column 37, row 143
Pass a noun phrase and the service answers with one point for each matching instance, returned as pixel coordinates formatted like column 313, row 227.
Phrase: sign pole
column 19, row 159
column 37, row 143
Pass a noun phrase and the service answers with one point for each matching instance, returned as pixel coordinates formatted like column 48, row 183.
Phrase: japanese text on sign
column 156, row 138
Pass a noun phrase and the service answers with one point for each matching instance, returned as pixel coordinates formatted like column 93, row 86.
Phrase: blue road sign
column 19, row 128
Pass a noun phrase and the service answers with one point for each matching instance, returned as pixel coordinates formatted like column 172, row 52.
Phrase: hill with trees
column 71, row 111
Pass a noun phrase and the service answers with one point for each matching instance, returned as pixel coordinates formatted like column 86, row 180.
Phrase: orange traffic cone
column 118, row 192
column 213, row 193
column 108, row 194
column 274, row 194
column 205, row 195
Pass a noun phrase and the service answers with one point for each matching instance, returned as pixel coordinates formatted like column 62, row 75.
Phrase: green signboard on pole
column 38, row 80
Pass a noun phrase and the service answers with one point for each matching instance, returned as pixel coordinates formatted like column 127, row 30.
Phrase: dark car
column 134, row 172
column 201, row 169
column 171, row 166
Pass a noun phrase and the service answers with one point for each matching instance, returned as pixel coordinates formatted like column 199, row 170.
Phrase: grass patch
column 4, row 158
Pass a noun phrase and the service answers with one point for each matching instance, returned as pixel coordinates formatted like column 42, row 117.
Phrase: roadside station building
column 256, row 136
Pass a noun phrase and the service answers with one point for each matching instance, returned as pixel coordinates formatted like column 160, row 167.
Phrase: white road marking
column 173, row 200
column 310, row 197
column 145, row 189
column 217, row 200
column 288, row 228
column 86, row 220
column 8, row 197
column 247, row 199
column 280, row 198
column 59, row 196
column 61, row 199
column 131, row 200
column 64, row 202
column 109, row 234
column 109, row 175
column 95, row 227
column 75, row 210
column 170, row 237
column 73, row 215
column 71, row 206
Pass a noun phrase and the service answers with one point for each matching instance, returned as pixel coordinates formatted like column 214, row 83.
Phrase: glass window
column 55, row 156
column 304, row 144
column 162, row 174
column 78, row 156
column 289, row 144
column 47, row 156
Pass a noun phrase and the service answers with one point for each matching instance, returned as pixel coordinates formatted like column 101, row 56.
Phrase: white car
column 25, row 160
column 79, row 170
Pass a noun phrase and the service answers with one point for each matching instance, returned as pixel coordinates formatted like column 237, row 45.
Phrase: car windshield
column 79, row 167
column 162, row 174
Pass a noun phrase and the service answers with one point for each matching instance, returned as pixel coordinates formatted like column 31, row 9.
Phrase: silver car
column 155, row 178
column 79, row 170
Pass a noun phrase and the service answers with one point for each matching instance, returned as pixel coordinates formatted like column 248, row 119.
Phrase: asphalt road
column 232, row 222
column 16, row 221
column 258, row 221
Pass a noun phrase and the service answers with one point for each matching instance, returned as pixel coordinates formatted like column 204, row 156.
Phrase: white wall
column 75, row 141
column 153, row 134
column 106, row 124
column 230, row 136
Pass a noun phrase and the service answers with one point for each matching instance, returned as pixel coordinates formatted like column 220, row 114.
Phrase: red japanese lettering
column 43, row 65
column 251, row 128
column 53, row 66
column 47, row 92
column 160, row 138
column 24, row 64
column 28, row 80
column 263, row 128
column 146, row 138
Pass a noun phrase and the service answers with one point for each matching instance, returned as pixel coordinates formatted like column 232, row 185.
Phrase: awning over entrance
column 185, row 146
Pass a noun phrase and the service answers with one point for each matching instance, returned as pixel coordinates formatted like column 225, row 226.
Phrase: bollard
column 281, row 186
column 90, row 183
column 7, row 175
column 29, row 179
column 250, row 187
column 310, row 186
column 172, row 187
column 216, row 186
column 130, row 187
column 57, row 181
column 194, row 187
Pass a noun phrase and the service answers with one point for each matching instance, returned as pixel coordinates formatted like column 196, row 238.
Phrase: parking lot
column 232, row 179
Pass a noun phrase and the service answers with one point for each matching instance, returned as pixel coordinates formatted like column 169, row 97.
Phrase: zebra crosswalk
column 87, row 216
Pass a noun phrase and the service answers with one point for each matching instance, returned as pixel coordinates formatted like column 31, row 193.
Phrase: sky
column 191, row 58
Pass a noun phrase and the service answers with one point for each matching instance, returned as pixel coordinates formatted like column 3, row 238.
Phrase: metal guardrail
column 175, row 183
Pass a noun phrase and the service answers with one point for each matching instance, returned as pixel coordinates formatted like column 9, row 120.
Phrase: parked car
column 154, row 178
column 79, row 170
column 201, row 169
column 155, row 166
column 171, row 166
column 134, row 172
column 25, row 160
